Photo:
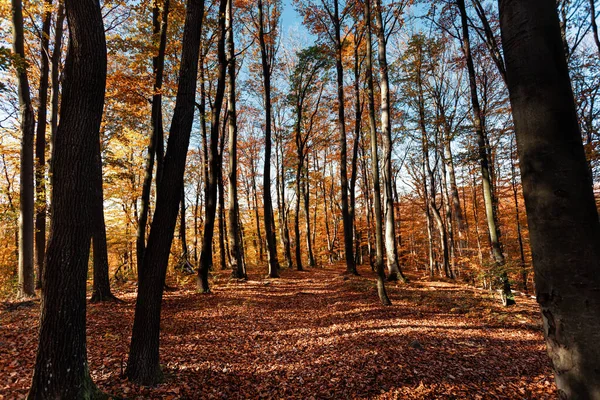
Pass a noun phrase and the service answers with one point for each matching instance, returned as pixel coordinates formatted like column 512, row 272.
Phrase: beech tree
column 61, row 368
column 561, row 210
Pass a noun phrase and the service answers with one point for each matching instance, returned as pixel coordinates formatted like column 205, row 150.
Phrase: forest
column 307, row 199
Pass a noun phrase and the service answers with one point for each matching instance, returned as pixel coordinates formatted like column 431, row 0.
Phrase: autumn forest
column 299, row 199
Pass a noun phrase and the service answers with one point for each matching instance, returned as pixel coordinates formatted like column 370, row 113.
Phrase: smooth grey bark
column 27, row 126
column 379, row 267
column 561, row 210
column 391, row 245
column 61, row 368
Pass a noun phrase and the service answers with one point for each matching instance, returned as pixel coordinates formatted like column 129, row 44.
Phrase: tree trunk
column 235, row 247
column 266, row 58
column 183, row 228
column 40, row 147
column 561, row 210
column 594, row 24
column 61, row 368
column 518, row 217
column 143, row 366
column 379, row 267
column 101, row 287
column 27, row 120
column 55, row 82
column 346, row 220
column 306, row 195
column 159, row 28
column 484, row 164
column 391, row 245
column 206, row 255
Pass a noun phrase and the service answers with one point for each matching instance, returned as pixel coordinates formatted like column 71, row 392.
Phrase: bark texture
column 561, row 211
column 61, row 369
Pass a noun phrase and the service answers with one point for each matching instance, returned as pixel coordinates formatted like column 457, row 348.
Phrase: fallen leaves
column 310, row 334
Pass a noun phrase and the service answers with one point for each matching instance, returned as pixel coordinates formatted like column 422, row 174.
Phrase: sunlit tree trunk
column 61, row 368
column 379, row 267
column 391, row 244
column 561, row 210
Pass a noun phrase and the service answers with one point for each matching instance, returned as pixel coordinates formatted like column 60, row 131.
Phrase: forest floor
column 314, row 334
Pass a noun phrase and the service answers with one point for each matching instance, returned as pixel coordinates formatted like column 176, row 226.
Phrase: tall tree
column 391, row 244
column 561, row 211
column 61, row 368
column 40, row 146
column 206, row 255
column 143, row 365
column 484, row 162
column 383, row 297
column 27, row 120
column 235, row 247
column 160, row 18
column 267, row 54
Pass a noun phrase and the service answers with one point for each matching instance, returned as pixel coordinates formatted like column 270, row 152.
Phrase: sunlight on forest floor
column 309, row 334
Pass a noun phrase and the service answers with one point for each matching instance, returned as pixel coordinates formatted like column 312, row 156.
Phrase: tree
column 307, row 82
column 484, row 164
column 61, row 369
column 27, row 120
column 206, row 255
column 40, row 146
column 386, row 130
column 235, row 248
column 143, row 365
column 561, row 211
column 159, row 28
column 375, row 163
column 267, row 54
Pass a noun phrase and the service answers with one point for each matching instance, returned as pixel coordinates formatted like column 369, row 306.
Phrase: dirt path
column 310, row 334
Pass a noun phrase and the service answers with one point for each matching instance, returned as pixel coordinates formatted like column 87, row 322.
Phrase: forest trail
column 313, row 334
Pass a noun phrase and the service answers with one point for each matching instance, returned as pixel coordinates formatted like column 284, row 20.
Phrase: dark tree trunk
column 40, row 147
column 159, row 28
column 101, row 287
column 183, row 228
column 27, row 121
column 484, row 164
column 143, row 365
column 339, row 68
column 206, row 255
column 561, row 211
column 267, row 55
column 379, row 267
column 235, row 247
column 55, row 82
column 61, row 369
